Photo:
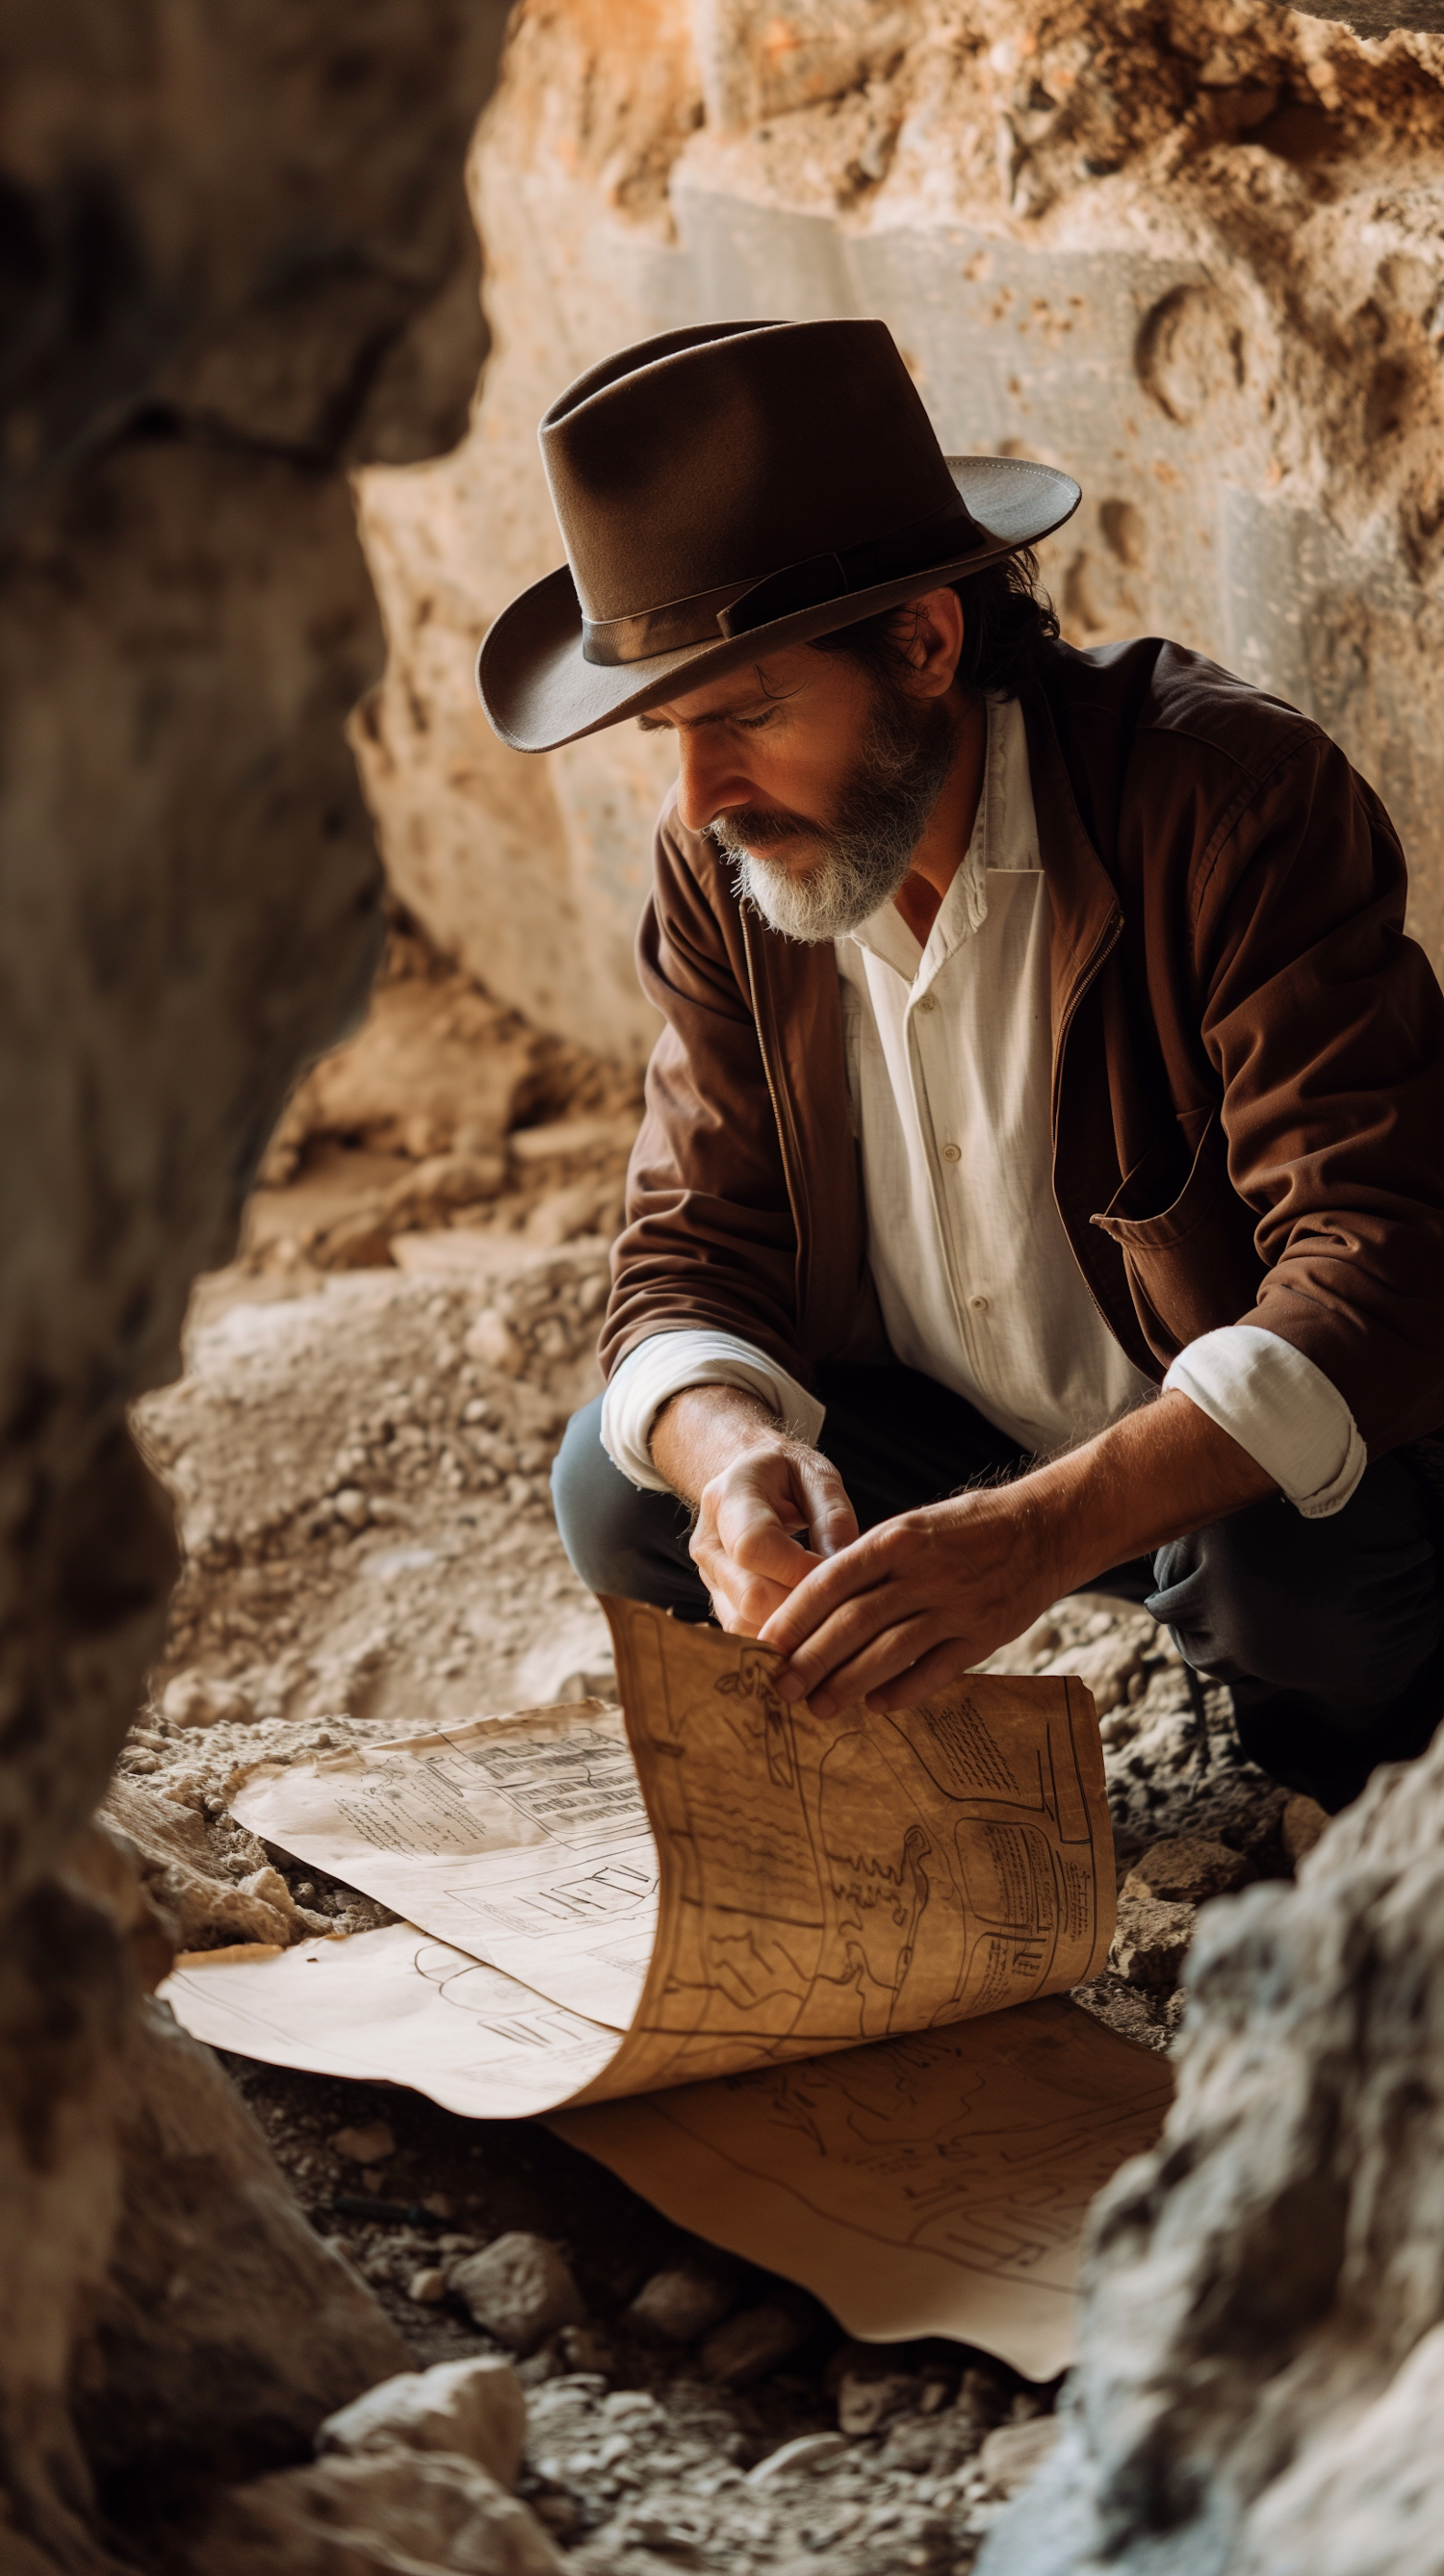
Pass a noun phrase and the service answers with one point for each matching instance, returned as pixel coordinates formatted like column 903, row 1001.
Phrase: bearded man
column 1040, row 1187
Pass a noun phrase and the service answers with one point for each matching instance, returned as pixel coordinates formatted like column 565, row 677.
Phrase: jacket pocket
column 1193, row 1266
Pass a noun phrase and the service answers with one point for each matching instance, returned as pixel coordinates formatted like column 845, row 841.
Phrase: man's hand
column 923, row 1598
column 753, row 1488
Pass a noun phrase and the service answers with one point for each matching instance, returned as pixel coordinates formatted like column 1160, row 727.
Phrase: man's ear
column 930, row 632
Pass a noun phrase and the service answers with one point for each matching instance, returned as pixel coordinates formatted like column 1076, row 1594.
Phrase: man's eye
column 754, row 724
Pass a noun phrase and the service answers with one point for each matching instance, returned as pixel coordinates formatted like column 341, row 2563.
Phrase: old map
column 797, row 1939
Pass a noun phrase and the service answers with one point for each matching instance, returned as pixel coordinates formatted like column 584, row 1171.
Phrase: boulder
column 1260, row 2389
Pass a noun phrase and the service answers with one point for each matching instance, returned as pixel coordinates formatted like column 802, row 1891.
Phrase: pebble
column 802, row 2457
column 680, row 2305
column 1015, row 2452
column 519, row 2290
column 428, row 2286
column 371, row 2145
column 750, row 2345
column 679, row 2532
column 863, row 2403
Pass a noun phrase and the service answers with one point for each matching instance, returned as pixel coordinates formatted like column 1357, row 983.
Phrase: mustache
column 759, row 827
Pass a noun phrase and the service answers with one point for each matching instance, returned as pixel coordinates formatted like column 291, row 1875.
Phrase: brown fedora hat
column 729, row 490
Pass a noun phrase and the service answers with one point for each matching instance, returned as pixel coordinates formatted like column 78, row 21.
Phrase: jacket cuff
column 667, row 1361
column 1280, row 1407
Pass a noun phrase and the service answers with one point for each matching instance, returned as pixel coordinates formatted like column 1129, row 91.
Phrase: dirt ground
column 360, row 1450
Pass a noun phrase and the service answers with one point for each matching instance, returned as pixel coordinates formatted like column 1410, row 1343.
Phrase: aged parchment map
column 522, row 1839
column 797, row 1937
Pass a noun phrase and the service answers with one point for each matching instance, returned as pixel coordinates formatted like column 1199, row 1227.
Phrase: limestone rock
column 1151, row 1942
column 228, row 239
column 224, row 2330
column 1187, row 1869
column 475, row 2407
column 1259, row 2390
column 520, row 2290
column 209, row 1912
column 428, row 2513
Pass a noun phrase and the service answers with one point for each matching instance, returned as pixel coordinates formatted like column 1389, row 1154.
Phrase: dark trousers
column 1329, row 1632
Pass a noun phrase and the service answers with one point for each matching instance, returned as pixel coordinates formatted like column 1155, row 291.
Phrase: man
column 1041, row 1180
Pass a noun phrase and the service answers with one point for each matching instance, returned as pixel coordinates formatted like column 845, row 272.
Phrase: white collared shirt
column 949, row 1066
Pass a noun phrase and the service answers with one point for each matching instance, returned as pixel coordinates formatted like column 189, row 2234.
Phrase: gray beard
column 866, row 851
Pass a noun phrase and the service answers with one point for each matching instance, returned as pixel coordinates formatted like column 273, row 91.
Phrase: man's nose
column 711, row 778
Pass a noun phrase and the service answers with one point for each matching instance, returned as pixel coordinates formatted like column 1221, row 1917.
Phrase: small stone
column 436, row 2201
column 1302, row 1823
column 473, row 2407
column 865, row 2402
column 1013, row 2454
column 493, row 1343
column 351, row 1506
column 1187, row 1869
column 370, row 2145
column 428, row 2286
column 519, row 2290
column 583, row 2348
column 678, row 2532
column 680, row 2304
column 750, row 2345
column 1151, row 1942
column 800, row 2458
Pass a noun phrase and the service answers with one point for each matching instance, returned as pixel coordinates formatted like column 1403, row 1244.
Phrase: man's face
column 815, row 777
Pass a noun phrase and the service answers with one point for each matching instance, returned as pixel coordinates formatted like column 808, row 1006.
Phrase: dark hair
column 1008, row 620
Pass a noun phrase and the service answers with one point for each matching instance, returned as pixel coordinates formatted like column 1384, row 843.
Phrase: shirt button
column 952, row 1153
column 927, row 1003
column 980, row 1305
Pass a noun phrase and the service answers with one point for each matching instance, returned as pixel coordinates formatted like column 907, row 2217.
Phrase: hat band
column 740, row 608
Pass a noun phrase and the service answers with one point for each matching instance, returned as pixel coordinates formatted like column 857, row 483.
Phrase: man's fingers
column 882, row 1660
column 859, row 1568
column 831, row 1520
column 742, row 1604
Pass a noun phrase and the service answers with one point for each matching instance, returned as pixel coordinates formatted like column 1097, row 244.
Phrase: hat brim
column 540, row 691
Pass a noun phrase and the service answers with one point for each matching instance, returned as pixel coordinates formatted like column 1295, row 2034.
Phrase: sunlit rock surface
column 1190, row 253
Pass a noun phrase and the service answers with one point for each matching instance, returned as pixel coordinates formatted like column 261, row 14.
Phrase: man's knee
column 619, row 1538
column 1346, row 1610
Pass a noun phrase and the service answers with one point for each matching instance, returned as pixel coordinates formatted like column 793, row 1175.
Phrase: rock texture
column 1261, row 2388
column 234, row 264
column 1190, row 250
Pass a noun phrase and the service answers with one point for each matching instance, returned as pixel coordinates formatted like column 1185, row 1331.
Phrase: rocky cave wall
column 234, row 262
column 1192, row 250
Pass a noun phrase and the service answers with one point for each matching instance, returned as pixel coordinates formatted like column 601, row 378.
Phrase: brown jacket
column 1248, row 1060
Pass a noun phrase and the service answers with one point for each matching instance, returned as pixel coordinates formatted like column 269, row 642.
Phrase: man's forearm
column 702, row 1429
column 1162, row 1471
